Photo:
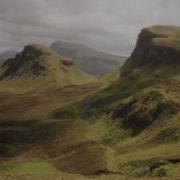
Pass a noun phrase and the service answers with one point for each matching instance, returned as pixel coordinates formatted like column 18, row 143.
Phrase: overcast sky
column 108, row 25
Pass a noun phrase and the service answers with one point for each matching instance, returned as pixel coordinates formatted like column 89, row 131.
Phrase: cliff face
column 158, row 45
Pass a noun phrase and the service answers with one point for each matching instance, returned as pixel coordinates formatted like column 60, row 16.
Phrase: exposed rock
column 142, row 110
column 88, row 59
column 156, row 46
column 67, row 62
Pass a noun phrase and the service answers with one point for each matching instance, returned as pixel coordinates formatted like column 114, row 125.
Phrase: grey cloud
column 106, row 25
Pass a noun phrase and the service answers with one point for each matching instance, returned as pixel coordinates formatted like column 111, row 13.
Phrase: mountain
column 7, row 54
column 38, row 67
column 124, row 126
column 143, row 105
column 158, row 45
column 88, row 59
column 148, row 83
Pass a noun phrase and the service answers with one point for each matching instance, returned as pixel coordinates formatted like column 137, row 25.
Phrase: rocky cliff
column 157, row 45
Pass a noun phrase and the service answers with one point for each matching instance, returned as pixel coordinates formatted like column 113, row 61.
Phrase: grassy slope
column 56, row 74
column 157, row 141
column 89, row 137
column 107, row 132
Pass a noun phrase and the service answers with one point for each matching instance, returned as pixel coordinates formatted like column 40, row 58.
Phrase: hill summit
column 157, row 45
column 37, row 63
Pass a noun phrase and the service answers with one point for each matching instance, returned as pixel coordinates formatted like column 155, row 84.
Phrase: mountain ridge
column 39, row 64
column 88, row 59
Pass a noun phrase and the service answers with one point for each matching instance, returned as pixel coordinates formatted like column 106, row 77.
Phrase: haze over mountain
column 88, row 59
column 40, row 67
column 7, row 54
column 110, row 26
column 145, row 103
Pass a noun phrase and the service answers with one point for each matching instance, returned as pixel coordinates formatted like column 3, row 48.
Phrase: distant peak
column 38, row 48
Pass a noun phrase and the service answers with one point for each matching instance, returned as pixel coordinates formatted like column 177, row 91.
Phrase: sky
column 105, row 25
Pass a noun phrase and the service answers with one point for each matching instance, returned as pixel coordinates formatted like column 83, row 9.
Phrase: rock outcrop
column 40, row 66
column 145, row 108
column 158, row 45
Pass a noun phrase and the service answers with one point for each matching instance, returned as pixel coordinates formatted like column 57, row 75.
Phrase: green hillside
column 38, row 67
column 124, row 126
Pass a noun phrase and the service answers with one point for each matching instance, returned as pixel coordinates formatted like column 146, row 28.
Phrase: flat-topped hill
column 157, row 45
